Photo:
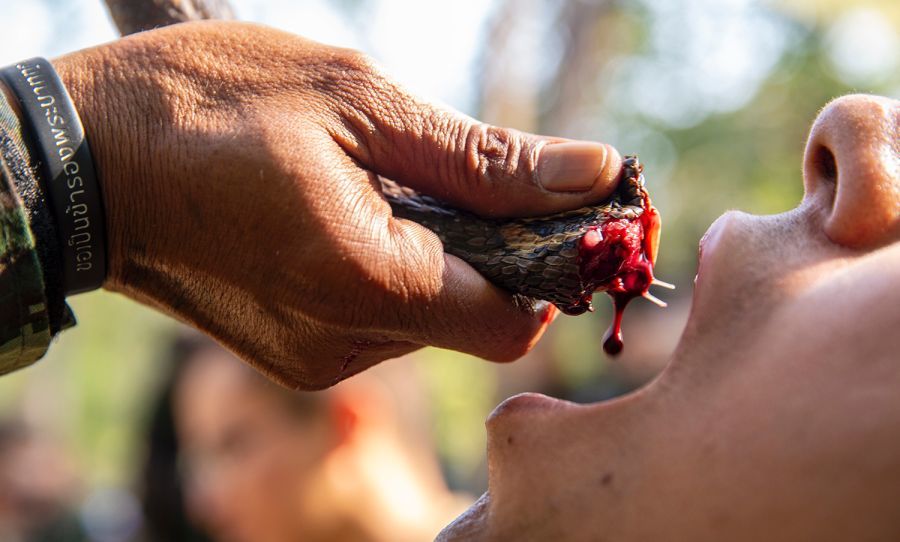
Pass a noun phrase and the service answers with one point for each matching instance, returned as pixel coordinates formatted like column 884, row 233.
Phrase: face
column 778, row 417
column 252, row 465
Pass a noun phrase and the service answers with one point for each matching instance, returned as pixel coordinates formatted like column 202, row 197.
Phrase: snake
column 563, row 258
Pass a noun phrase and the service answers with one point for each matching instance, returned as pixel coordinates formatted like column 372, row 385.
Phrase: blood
column 549, row 315
column 617, row 257
column 612, row 340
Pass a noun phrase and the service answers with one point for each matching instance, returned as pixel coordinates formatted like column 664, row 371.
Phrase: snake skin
column 534, row 257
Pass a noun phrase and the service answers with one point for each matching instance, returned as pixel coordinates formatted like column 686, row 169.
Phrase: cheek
column 289, row 475
column 308, row 460
column 276, row 472
column 255, row 491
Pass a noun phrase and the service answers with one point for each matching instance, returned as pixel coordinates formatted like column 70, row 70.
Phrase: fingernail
column 571, row 166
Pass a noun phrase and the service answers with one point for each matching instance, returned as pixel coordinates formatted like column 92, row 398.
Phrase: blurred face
column 251, row 462
column 778, row 417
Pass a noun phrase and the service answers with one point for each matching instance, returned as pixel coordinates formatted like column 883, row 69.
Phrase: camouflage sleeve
column 24, row 322
column 25, row 330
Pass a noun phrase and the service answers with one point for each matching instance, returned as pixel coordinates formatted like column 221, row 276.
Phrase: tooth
column 663, row 284
column 649, row 297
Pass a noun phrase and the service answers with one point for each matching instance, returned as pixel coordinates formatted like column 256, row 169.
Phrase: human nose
column 853, row 159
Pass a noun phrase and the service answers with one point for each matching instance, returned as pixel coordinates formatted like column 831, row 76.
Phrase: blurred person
column 778, row 416
column 261, row 463
column 236, row 190
column 160, row 483
column 39, row 489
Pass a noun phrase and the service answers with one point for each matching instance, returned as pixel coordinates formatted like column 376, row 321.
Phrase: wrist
column 65, row 165
column 112, row 120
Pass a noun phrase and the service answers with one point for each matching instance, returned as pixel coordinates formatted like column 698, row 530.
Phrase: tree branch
column 133, row 16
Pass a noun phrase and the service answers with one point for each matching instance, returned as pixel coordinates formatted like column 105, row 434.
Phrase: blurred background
column 715, row 96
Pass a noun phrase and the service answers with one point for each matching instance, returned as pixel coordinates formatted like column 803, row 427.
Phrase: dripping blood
column 617, row 257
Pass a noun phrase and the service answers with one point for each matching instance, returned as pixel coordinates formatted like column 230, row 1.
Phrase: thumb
column 489, row 170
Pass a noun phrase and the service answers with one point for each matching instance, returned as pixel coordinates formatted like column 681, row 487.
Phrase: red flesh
column 617, row 257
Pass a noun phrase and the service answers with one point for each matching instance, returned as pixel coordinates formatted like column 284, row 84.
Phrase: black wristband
column 63, row 157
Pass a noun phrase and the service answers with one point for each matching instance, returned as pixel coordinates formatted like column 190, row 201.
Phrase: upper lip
column 708, row 244
column 711, row 235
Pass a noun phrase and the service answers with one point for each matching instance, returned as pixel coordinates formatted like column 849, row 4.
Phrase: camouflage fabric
column 24, row 321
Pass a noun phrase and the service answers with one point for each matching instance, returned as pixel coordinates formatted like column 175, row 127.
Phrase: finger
column 450, row 305
column 489, row 170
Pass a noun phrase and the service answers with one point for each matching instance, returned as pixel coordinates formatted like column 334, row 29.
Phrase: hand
column 239, row 170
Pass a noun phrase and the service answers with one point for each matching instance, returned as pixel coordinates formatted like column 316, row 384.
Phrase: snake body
column 535, row 257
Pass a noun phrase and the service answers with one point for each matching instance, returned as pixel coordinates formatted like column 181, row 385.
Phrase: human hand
column 239, row 168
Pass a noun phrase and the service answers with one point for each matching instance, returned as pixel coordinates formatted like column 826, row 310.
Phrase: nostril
column 850, row 171
column 824, row 171
column 825, row 164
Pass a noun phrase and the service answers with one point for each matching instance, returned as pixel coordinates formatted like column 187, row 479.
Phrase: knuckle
column 493, row 157
column 344, row 76
column 374, row 108
column 499, row 150
column 352, row 63
column 363, row 64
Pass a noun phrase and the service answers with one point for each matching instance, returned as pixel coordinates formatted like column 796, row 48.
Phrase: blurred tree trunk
column 514, row 93
column 575, row 92
column 133, row 16
column 508, row 94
